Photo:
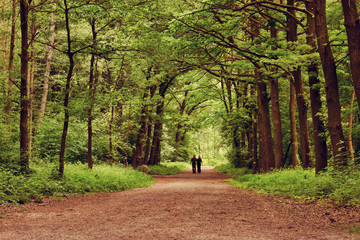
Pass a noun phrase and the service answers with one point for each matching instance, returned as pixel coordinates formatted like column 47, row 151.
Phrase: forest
column 262, row 84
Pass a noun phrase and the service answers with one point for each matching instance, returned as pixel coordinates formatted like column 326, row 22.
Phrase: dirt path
column 185, row 206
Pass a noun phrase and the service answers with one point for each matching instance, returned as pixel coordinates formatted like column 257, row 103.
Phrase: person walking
column 193, row 163
column 199, row 162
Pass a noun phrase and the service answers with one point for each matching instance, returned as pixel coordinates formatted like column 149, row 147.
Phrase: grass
column 355, row 229
column 78, row 179
column 168, row 168
column 341, row 187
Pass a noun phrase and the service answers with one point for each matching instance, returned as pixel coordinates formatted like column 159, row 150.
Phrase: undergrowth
column 167, row 168
column 78, row 179
column 341, row 187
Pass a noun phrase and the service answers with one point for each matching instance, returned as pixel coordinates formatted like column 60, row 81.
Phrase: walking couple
column 196, row 162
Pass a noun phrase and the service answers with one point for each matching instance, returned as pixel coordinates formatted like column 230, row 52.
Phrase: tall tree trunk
column 338, row 144
column 70, row 55
column 3, row 44
column 11, row 63
column 293, row 131
column 304, row 127
column 299, row 89
column 315, row 98
column 111, row 155
column 291, row 37
column 141, row 138
column 276, row 115
column 148, row 143
column 91, row 95
column 31, row 86
column 267, row 157
column 24, row 98
column 352, row 25
column 92, row 92
column 351, row 116
column 149, row 130
column 127, row 138
column 155, row 147
column 48, row 60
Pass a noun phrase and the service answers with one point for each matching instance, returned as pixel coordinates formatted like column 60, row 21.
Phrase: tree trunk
column 315, row 98
column 11, row 63
column 303, row 123
column 291, row 37
column 127, row 137
column 338, row 144
column 276, row 115
column 148, row 143
column 3, row 44
column 141, row 138
column 293, row 131
column 149, row 130
column 47, row 68
column 24, row 98
column 31, row 87
column 299, row 89
column 267, row 157
column 92, row 92
column 352, row 25
column 70, row 55
column 111, row 155
column 91, row 95
column 155, row 147
column 351, row 116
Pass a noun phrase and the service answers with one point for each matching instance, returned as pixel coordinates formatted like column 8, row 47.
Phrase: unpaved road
column 184, row 206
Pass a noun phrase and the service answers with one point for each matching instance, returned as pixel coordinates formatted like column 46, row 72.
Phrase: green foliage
column 9, row 146
column 78, row 179
column 231, row 170
column 341, row 187
column 167, row 169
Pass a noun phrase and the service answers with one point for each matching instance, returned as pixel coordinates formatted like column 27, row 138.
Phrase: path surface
column 184, row 206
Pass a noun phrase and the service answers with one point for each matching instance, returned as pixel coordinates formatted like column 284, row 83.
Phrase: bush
column 167, row 169
column 341, row 187
column 78, row 179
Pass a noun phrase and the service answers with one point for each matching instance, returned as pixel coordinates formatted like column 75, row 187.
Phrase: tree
column 352, row 23
column 338, row 144
column 24, row 98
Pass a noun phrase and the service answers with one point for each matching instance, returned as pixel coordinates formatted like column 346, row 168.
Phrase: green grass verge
column 168, row 168
column 341, row 187
column 78, row 180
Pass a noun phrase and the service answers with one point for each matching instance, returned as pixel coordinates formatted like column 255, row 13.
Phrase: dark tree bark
column 276, row 115
column 315, row 98
column 141, row 138
column 293, row 131
column 4, row 44
column 70, row 55
column 155, row 152
column 351, row 116
column 92, row 91
column 267, row 157
column 149, row 130
column 338, row 143
column 299, row 90
column 111, row 155
column 155, row 147
column 24, row 98
column 352, row 25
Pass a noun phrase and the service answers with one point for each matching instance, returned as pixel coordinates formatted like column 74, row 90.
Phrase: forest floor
column 184, row 206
